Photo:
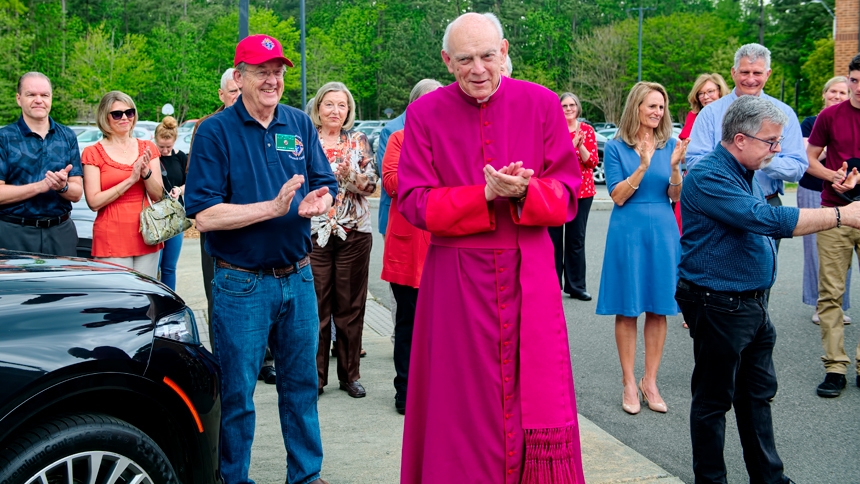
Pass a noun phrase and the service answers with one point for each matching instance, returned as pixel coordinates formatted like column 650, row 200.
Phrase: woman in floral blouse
column 342, row 238
column 569, row 239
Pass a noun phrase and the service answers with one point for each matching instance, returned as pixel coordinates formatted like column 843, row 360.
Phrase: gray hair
column 318, row 99
column 509, row 66
column 227, row 76
column 423, row 87
column 746, row 115
column 491, row 17
column 33, row 74
column 573, row 97
column 752, row 52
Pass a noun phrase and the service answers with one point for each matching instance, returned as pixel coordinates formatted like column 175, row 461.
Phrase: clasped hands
column 844, row 181
column 56, row 180
column 510, row 181
column 317, row 202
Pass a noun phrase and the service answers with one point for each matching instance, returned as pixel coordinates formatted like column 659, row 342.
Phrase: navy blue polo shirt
column 25, row 157
column 238, row 161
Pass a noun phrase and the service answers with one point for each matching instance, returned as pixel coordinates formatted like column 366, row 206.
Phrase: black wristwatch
column 64, row 189
column 148, row 175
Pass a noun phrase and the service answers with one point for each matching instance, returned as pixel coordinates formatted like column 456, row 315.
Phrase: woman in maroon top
column 569, row 239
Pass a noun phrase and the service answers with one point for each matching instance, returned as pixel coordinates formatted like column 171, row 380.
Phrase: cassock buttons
column 486, row 123
column 487, row 142
column 503, row 307
column 511, row 453
column 502, row 288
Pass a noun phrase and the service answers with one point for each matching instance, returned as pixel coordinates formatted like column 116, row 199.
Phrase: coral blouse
column 405, row 244
column 116, row 230
column 587, row 189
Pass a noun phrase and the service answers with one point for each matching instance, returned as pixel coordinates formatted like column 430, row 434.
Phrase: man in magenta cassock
column 487, row 164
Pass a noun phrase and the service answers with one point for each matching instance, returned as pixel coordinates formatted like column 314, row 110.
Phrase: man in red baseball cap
column 259, row 174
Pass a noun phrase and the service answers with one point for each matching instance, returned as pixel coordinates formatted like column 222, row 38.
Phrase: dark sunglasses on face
column 117, row 115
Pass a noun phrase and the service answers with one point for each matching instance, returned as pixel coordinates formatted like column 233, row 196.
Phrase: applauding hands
column 843, row 180
column 510, row 181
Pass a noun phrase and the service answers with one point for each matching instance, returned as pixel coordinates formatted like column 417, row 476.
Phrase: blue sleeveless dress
column 643, row 248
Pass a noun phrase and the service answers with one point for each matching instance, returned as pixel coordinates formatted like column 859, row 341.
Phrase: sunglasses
column 117, row 115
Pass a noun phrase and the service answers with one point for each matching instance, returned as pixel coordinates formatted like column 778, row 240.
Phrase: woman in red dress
column 119, row 171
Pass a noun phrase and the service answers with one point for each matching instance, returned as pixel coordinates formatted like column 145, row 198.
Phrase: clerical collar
column 488, row 97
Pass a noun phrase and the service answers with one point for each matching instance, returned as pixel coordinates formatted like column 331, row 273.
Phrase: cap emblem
column 268, row 44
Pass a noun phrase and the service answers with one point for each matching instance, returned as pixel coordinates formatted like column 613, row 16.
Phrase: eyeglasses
column 709, row 93
column 117, row 115
column 332, row 106
column 263, row 75
column 773, row 144
column 568, row 106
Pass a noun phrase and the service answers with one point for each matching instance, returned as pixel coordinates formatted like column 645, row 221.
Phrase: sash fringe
column 550, row 456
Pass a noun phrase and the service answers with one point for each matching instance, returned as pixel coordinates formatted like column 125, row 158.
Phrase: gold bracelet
column 118, row 194
column 631, row 185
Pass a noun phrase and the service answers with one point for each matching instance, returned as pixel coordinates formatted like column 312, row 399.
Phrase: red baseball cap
column 257, row 49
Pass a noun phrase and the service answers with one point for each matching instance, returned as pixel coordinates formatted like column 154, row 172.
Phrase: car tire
column 93, row 444
column 599, row 174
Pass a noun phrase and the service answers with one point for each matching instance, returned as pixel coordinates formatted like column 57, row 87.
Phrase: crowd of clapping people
column 280, row 197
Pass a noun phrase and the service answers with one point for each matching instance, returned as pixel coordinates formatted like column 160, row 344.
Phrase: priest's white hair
column 492, row 18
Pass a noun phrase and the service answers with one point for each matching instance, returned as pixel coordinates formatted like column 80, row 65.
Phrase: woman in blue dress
column 643, row 247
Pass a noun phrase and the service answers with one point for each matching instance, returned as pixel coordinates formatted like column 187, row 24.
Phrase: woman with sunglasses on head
column 119, row 171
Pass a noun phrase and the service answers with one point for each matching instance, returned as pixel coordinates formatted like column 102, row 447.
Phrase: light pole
column 302, row 48
column 243, row 19
column 641, row 14
column 828, row 11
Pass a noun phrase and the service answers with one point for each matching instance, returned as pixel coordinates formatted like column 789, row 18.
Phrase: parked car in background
column 183, row 142
column 187, row 126
column 78, row 129
column 604, row 125
column 83, row 219
column 91, row 135
column 147, row 125
column 104, row 377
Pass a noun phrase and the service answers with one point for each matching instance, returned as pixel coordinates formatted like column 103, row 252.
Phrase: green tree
column 100, row 63
column 816, row 71
column 13, row 50
column 600, row 63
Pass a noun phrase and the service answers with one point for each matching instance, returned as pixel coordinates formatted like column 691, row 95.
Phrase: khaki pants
column 835, row 250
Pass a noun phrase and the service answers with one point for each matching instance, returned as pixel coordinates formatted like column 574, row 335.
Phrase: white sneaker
column 846, row 320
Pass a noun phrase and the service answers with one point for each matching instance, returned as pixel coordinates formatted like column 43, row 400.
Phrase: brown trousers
column 340, row 278
column 836, row 247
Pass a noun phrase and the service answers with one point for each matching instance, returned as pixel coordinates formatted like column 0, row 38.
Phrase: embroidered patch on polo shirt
column 289, row 142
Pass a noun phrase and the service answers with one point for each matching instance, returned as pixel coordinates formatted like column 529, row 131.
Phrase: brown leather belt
column 772, row 195
column 276, row 271
column 41, row 223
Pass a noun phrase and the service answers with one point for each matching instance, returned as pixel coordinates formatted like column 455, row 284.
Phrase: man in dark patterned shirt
column 728, row 261
column 40, row 175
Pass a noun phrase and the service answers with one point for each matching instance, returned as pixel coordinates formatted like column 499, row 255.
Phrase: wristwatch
column 64, row 189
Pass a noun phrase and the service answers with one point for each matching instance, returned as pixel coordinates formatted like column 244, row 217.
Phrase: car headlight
column 180, row 327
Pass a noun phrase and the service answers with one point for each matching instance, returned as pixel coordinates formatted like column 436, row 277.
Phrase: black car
column 102, row 377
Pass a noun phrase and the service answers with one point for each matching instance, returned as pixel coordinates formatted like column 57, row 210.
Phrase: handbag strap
column 164, row 193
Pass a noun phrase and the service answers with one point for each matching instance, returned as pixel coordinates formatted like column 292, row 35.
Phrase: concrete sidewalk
column 362, row 437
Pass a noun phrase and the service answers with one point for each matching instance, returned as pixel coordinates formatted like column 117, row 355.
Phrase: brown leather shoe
column 354, row 389
column 318, row 481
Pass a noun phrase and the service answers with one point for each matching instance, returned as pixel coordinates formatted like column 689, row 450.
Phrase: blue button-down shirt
column 789, row 165
column 238, row 161
column 390, row 128
column 728, row 227
column 25, row 157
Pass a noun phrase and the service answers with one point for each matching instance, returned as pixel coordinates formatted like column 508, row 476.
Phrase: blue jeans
column 169, row 258
column 251, row 310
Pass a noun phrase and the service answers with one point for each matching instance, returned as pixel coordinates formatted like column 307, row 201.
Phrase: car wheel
column 90, row 448
column 599, row 174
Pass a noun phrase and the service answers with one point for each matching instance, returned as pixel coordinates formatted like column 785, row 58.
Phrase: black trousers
column 57, row 240
column 569, row 244
column 733, row 340
column 404, row 321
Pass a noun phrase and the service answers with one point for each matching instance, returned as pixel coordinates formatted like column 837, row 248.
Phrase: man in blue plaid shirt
column 40, row 175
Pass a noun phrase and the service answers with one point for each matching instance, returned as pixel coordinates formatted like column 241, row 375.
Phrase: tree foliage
column 175, row 52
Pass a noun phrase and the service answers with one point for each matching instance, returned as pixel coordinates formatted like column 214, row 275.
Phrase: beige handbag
column 162, row 220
